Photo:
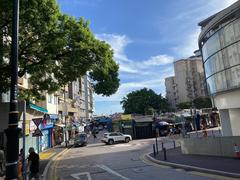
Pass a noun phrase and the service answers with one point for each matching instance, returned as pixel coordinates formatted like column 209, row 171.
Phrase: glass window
column 233, row 76
column 204, row 52
column 213, row 44
column 228, row 32
column 211, row 85
column 214, row 64
column 220, row 81
column 237, row 29
column 233, row 55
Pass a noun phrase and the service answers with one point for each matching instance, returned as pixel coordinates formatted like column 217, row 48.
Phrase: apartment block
column 188, row 82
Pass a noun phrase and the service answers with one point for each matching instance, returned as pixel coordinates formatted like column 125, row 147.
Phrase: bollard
column 154, row 151
column 164, row 154
column 174, row 144
column 156, row 144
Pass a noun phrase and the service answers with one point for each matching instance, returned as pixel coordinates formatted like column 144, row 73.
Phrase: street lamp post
column 12, row 132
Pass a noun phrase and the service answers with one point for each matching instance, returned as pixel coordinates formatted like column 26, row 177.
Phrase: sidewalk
column 208, row 164
column 47, row 155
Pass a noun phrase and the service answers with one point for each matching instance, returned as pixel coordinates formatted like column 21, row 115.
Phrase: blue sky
column 146, row 36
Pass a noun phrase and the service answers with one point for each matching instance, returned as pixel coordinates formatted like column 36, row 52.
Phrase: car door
column 114, row 136
column 120, row 137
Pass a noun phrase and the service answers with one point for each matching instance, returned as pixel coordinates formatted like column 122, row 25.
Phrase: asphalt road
column 117, row 162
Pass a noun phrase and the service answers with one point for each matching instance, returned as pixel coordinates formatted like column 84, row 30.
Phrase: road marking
column 112, row 171
column 46, row 155
column 76, row 176
column 53, row 168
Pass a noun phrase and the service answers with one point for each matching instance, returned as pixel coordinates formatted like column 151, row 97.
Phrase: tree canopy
column 144, row 101
column 199, row 103
column 54, row 49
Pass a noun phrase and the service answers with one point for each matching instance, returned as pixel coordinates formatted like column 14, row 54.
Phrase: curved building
column 219, row 43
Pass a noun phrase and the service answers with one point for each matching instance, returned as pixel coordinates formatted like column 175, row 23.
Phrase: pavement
column 223, row 166
column 46, row 156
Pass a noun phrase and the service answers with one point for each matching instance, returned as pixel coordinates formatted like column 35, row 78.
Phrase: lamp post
column 12, row 132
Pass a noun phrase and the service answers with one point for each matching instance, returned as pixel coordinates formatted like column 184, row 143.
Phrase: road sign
column 37, row 133
column 37, row 121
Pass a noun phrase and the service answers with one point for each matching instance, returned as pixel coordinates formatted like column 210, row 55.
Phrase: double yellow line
column 53, row 168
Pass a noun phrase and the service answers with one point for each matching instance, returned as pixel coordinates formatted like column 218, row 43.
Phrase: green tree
column 144, row 101
column 199, row 103
column 202, row 102
column 55, row 49
column 184, row 105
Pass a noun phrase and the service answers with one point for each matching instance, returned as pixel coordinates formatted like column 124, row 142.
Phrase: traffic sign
column 37, row 133
column 37, row 121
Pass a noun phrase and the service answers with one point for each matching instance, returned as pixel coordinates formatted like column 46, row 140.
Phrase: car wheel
column 110, row 142
column 127, row 139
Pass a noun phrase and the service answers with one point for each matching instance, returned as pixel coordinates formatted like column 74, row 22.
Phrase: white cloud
column 159, row 60
column 190, row 43
column 136, row 74
column 186, row 48
column 118, row 44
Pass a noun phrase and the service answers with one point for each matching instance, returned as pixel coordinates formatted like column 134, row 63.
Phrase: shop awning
column 37, row 108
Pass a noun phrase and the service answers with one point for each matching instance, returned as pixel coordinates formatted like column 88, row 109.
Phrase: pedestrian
column 197, row 121
column 33, row 164
column 2, row 160
column 20, row 165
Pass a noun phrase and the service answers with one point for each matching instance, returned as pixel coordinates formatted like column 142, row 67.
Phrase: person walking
column 33, row 164
column 20, row 165
column 2, row 160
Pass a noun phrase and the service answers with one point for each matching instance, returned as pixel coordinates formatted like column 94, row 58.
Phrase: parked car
column 113, row 137
column 80, row 140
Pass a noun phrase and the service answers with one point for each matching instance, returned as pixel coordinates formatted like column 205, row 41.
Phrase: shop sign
column 126, row 117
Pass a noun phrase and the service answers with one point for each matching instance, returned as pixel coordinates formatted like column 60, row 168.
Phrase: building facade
column 219, row 42
column 188, row 82
column 171, row 91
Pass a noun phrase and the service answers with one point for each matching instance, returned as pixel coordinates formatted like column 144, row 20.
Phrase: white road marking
column 76, row 176
column 112, row 171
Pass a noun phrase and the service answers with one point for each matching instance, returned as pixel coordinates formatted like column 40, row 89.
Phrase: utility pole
column 66, row 111
column 12, row 132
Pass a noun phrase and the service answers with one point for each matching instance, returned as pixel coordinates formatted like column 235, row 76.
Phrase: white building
column 188, row 82
column 219, row 42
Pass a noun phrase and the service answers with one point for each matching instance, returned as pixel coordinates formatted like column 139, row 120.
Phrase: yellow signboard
column 126, row 117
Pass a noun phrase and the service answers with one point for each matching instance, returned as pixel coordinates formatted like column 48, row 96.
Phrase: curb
column 192, row 168
column 44, row 175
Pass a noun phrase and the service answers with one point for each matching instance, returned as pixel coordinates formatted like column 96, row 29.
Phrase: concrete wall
column 213, row 146
column 225, row 122
column 228, row 104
